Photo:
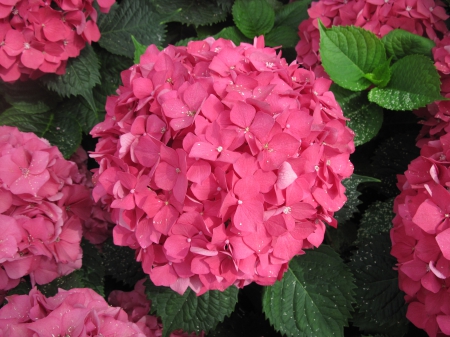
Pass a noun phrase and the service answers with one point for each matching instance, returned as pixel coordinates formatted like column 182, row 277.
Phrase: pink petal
column 428, row 216
column 32, row 58
column 444, row 323
column 443, row 240
column 204, row 150
column 286, row 175
column 142, row 87
column 242, row 114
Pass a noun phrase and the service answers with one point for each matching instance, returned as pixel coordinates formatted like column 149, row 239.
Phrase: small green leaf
column 292, row 14
column 400, row 43
column 25, row 121
column 350, row 207
column 381, row 74
column 414, row 84
column 139, row 49
column 233, row 34
column 314, row 298
column 348, row 53
column 366, row 118
column 253, row 17
column 195, row 12
column 64, row 132
column 132, row 17
column 190, row 312
column 82, row 74
column 379, row 299
column 282, row 36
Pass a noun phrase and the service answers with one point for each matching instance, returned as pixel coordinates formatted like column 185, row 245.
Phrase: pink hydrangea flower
column 424, row 18
column 43, row 201
column 76, row 312
column 36, row 38
column 220, row 163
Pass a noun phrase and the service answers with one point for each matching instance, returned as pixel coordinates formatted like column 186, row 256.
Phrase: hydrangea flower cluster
column 98, row 227
column 220, row 163
column 38, row 37
column 76, row 312
column 136, row 304
column 421, row 17
column 421, row 237
column 42, row 204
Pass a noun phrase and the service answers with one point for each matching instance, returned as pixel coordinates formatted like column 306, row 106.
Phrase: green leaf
column 379, row 299
column 190, row 312
column 64, row 132
column 381, row 74
column 348, row 53
column 350, row 207
column 93, row 268
column 37, row 122
column 314, row 298
column 139, row 49
column 409, row 89
column 233, row 34
column 253, row 17
column 366, row 118
column 132, row 17
column 77, row 108
column 195, row 12
column 376, row 219
column 73, row 280
column 121, row 264
column 400, row 43
column 82, row 74
column 29, row 96
column 282, row 36
column 292, row 14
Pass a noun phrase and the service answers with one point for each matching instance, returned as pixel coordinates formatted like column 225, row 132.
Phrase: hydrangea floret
column 219, row 163
column 38, row 37
column 43, row 202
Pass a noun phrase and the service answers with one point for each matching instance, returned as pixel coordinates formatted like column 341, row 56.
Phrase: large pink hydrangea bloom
column 220, row 163
column 38, row 37
column 421, row 17
column 43, row 202
column 76, row 313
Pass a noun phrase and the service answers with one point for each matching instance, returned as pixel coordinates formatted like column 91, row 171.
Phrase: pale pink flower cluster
column 220, row 163
column 136, row 304
column 38, row 37
column 42, row 206
column 421, row 17
column 78, row 312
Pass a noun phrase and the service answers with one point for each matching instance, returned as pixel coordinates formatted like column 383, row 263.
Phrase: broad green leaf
column 378, row 297
column 195, row 12
column 233, row 34
column 64, row 132
column 29, row 96
column 73, row 280
column 93, row 268
column 139, row 49
column 253, row 17
column 82, row 74
column 348, row 53
column 292, row 14
column 132, row 17
column 314, row 298
column 37, row 122
column 190, row 312
column 78, row 109
column 365, row 117
column 414, row 84
column 121, row 264
column 376, row 219
column 400, row 43
column 350, row 207
column 381, row 75
column 282, row 36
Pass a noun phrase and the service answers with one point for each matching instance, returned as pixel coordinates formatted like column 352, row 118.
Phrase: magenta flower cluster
column 421, row 17
column 38, row 37
column 220, row 163
column 43, row 201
